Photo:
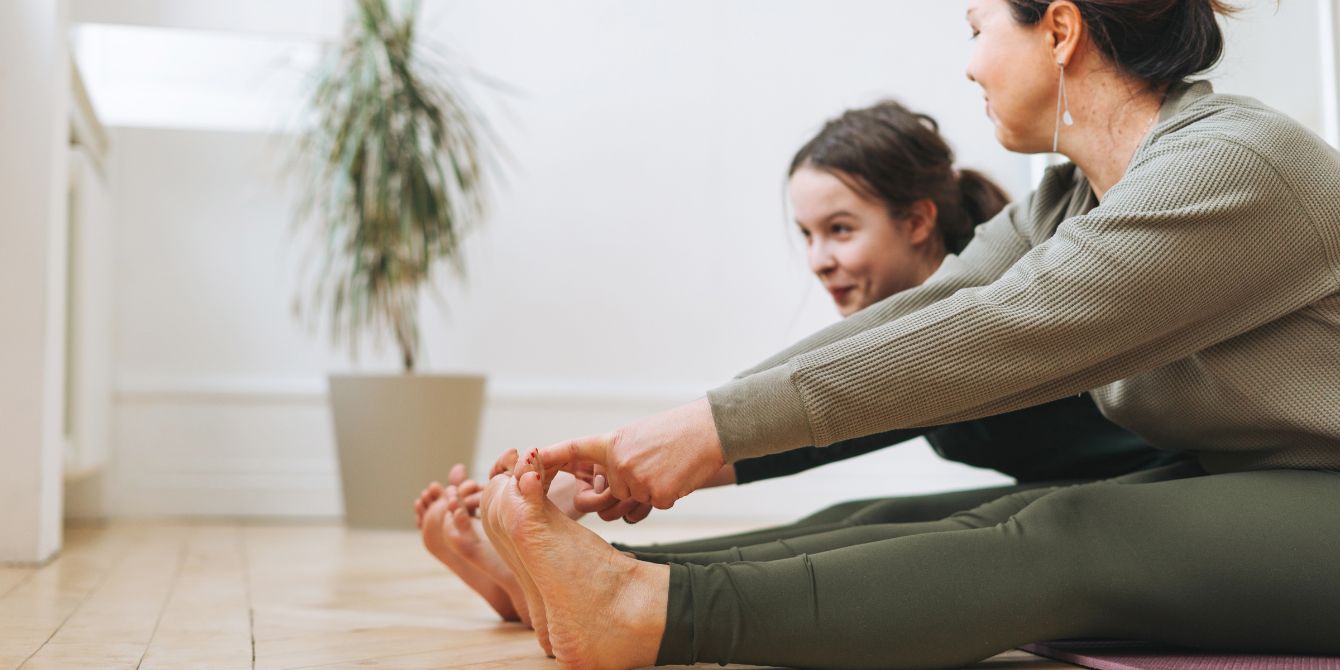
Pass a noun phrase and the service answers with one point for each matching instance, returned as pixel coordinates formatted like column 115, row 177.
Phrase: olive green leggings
column 1233, row 562
column 902, row 509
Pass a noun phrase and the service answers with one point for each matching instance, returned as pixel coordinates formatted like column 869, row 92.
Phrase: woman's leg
column 1227, row 562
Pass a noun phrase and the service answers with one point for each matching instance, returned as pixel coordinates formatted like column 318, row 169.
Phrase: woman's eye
column 840, row 228
column 974, row 35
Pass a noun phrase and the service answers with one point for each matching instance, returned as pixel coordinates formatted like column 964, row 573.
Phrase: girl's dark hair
column 898, row 157
column 1161, row 42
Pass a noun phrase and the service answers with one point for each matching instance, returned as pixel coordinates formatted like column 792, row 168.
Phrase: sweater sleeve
column 1202, row 240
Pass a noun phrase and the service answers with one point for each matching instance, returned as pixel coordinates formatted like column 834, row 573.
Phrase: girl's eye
column 840, row 228
column 975, row 33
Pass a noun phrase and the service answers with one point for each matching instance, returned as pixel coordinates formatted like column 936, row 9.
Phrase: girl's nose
column 821, row 258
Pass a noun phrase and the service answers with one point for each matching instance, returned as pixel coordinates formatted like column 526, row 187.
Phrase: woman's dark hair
column 1160, row 42
column 898, row 157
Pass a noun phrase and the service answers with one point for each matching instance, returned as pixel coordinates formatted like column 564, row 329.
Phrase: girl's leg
column 880, row 520
column 835, row 536
column 937, row 506
column 1233, row 562
column 827, row 518
column 901, row 509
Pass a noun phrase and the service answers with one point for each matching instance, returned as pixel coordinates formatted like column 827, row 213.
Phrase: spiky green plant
column 393, row 178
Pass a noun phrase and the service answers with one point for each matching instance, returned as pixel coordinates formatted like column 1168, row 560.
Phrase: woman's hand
column 656, row 460
column 596, row 497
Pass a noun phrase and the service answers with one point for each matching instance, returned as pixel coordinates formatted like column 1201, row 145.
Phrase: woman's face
column 860, row 252
column 1015, row 66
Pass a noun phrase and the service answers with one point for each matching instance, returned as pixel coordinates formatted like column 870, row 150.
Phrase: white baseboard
column 265, row 448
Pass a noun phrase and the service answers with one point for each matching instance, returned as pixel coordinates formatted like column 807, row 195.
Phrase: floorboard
column 240, row 596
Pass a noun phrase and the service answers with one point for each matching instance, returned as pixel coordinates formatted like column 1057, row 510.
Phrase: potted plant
column 393, row 179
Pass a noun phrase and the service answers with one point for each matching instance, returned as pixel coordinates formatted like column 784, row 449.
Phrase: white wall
column 638, row 253
column 291, row 18
column 34, row 91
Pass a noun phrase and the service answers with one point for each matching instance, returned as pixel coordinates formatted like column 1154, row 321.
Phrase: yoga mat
column 1125, row 655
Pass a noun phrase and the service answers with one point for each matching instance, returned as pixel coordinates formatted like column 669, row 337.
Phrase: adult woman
column 880, row 206
column 1185, row 266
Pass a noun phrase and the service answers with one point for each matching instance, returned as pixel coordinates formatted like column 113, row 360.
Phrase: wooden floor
column 264, row 596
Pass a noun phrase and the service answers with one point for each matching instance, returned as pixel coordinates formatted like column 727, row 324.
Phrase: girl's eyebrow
column 826, row 219
column 834, row 215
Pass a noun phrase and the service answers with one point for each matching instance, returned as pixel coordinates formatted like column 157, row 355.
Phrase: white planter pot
column 396, row 433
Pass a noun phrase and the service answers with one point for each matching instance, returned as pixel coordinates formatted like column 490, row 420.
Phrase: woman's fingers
column 578, row 454
column 618, row 510
column 654, row 461
column 638, row 513
column 588, row 500
column 570, row 454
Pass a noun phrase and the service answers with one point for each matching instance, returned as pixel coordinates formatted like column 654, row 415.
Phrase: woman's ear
column 1064, row 27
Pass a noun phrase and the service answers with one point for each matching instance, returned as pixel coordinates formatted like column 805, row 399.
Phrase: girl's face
column 1015, row 66
column 860, row 252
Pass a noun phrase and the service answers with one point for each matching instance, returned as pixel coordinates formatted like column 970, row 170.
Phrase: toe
column 532, row 487
column 490, row 493
column 457, row 474
column 468, row 487
column 462, row 521
column 430, row 494
column 471, row 503
column 433, row 515
column 505, row 463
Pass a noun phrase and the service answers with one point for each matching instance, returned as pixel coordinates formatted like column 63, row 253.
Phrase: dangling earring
column 1061, row 99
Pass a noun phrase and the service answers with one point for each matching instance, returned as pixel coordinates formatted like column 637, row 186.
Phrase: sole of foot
column 434, row 529
column 604, row 610
column 535, row 606
column 465, row 537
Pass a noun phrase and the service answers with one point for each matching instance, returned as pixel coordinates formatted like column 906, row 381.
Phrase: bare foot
column 434, row 491
column 463, row 538
column 434, row 524
column 604, row 609
column 562, row 491
column 534, row 603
